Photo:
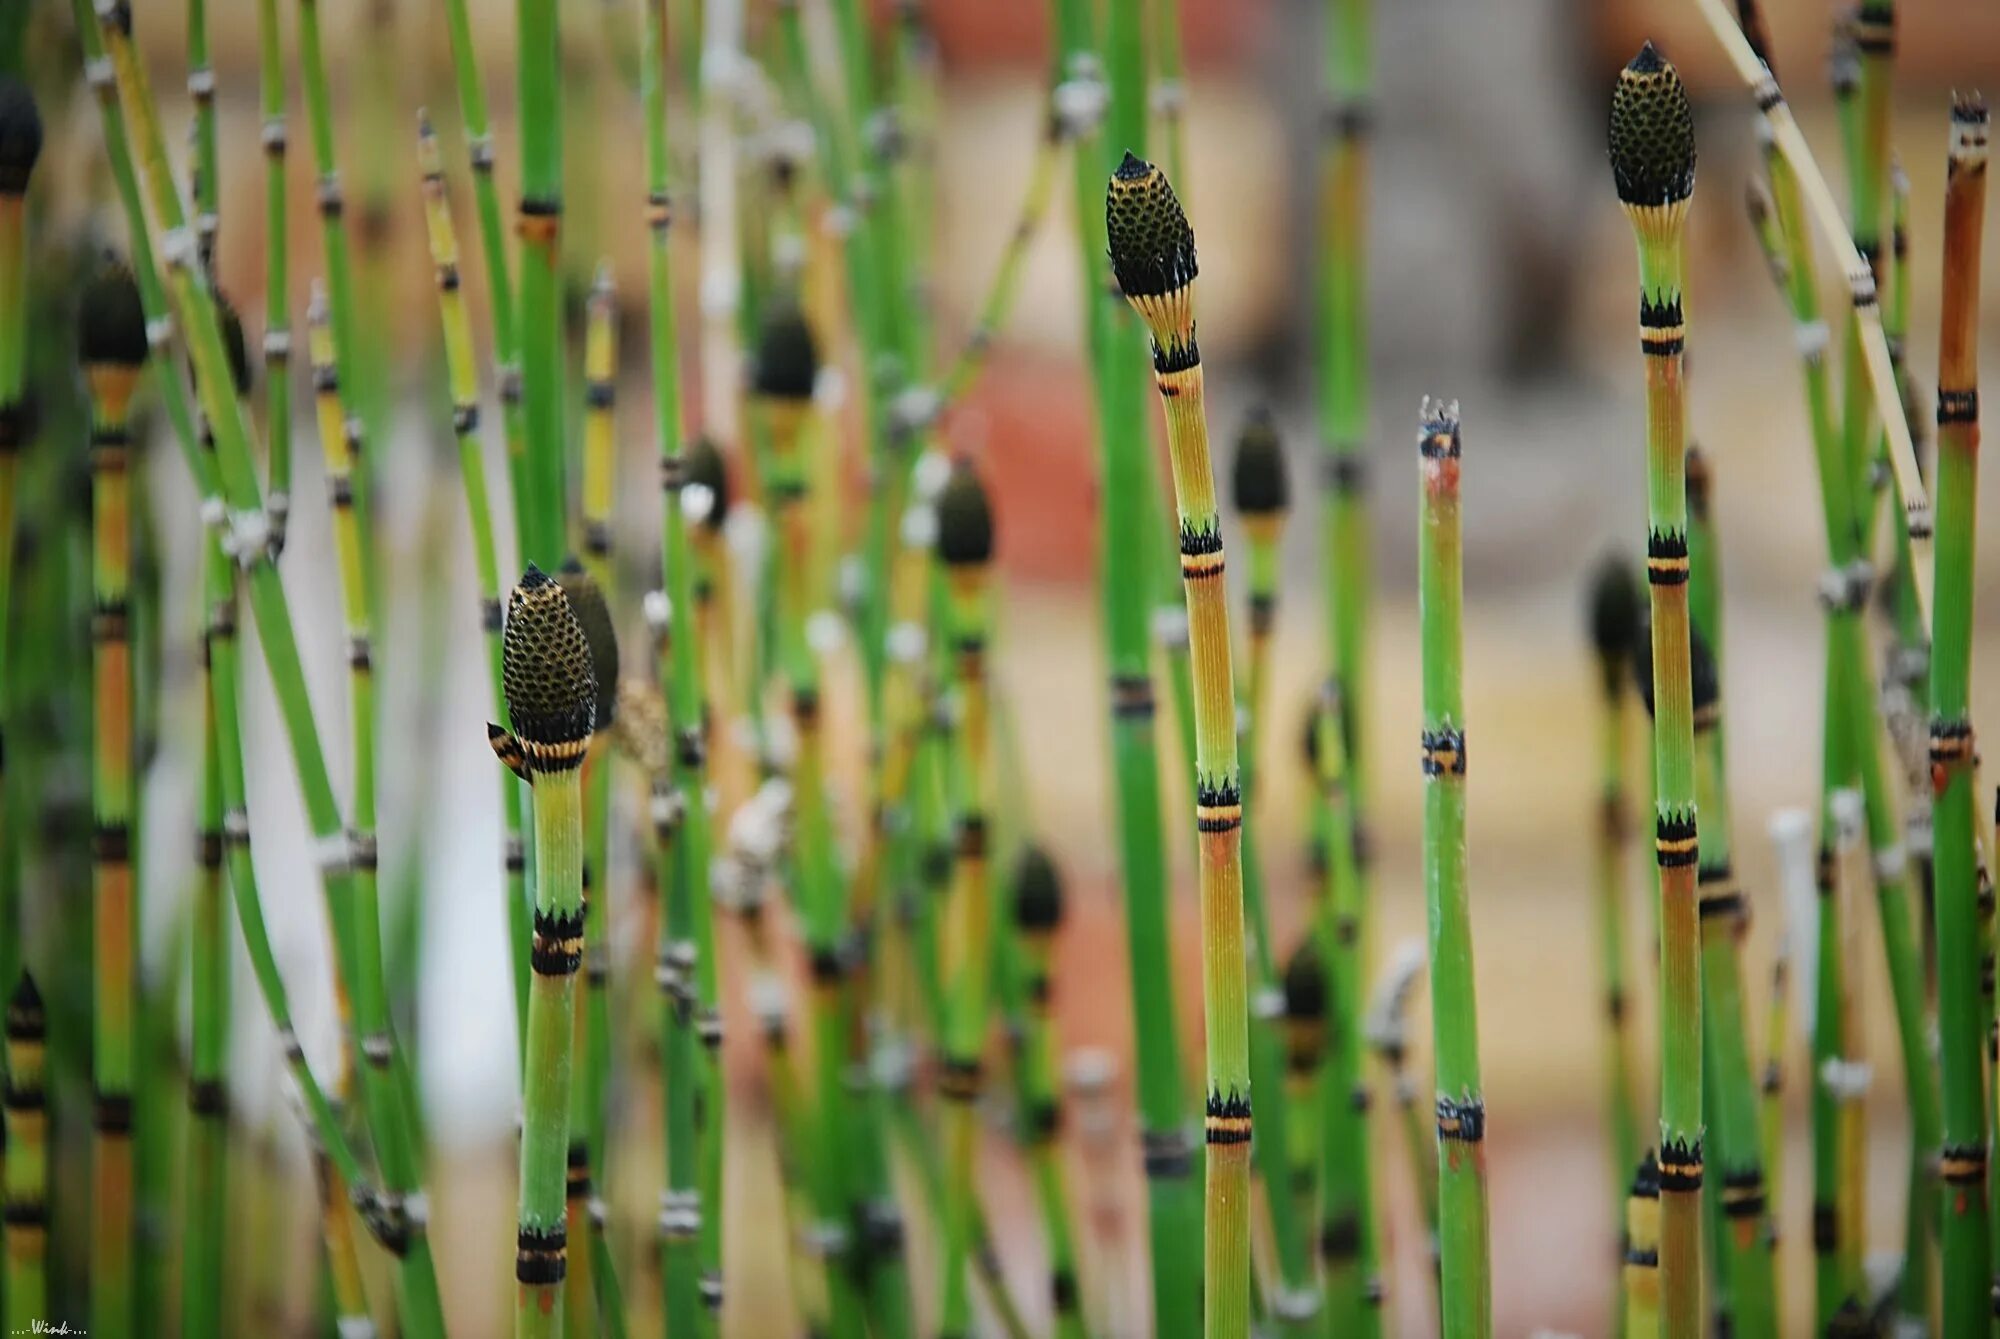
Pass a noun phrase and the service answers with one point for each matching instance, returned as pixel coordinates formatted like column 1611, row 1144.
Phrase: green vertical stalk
column 277, row 272
column 463, row 381
column 1347, row 1238
column 338, row 1168
column 786, row 365
column 385, row 1086
column 207, row 160
column 208, row 1086
column 1297, row 1310
column 539, row 224
column 1615, row 623
column 1153, row 261
column 1114, row 341
column 1853, row 740
column 21, row 127
column 1261, row 494
column 689, row 920
column 1740, row 1222
column 25, row 1192
column 330, row 202
column 1466, row 1285
column 113, row 354
column 1341, row 318
column 1038, row 912
column 1652, row 157
column 493, row 255
column 1962, row 1162
column 965, row 552
column 248, row 534
column 1874, row 32
column 552, row 691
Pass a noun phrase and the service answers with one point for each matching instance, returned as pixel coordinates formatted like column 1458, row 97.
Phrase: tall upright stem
column 1153, row 260
column 541, row 329
column 1652, row 156
column 1962, row 1161
column 1466, row 1285
column 1112, row 337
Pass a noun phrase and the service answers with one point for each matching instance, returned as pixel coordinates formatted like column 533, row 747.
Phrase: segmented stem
column 25, row 1190
column 1963, row 1159
column 1465, row 1286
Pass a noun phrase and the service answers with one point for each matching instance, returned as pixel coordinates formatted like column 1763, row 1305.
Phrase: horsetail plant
column 1340, row 315
column 1153, row 260
column 1347, row 1238
column 552, row 692
column 1652, row 160
column 1962, row 1162
column 1788, row 142
column 687, row 929
column 206, row 1193
column 965, row 551
column 539, row 316
column 1038, row 912
column 786, row 368
column 493, row 256
column 1305, row 996
column 1465, row 1282
column 277, row 274
column 592, row 1021
column 1387, row 1029
column 1615, row 619
column 1172, row 1208
column 25, row 1192
column 1852, row 729
column 228, row 482
column 463, row 379
column 20, row 147
column 111, row 334
column 338, row 1172
column 1261, row 494
column 1739, row 1221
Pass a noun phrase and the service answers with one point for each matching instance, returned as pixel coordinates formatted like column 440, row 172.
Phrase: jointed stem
column 1466, row 1288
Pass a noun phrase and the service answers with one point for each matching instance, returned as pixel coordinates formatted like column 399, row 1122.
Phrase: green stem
column 277, row 272
column 541, row 1254
column 1466, row 1282
column 1114, row 340
column 1962, row 1011
column 463, row 381
column 24, row 1267
column 690, row 919
column 1741, row 1225
column 541, row 328
column 208, row 1100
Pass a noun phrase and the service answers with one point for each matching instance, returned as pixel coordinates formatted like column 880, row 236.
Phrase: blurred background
column 1500, row 273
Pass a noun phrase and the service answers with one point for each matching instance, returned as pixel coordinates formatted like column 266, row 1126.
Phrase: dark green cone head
column 965, row 519
column 706, row 468
column 787, row 361
column 545, row 665
column 20, row 135
column 233, row 341
column 1646, row 1181
column 110, row 320
column 1305, row 984
column 25, row 1018
column 1038, row 894
column 1152, row 247
column 1652, row 133
column 587, row 602
column 1704, row 686
column 1258, row 482
column 1617, row 608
